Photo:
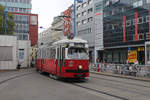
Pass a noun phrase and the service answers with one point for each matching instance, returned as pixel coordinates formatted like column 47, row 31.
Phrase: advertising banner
column 132, row 56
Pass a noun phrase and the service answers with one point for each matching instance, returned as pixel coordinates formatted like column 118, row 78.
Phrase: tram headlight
column 80, row 67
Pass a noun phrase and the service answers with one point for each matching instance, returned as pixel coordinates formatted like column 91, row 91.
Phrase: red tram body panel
column 64, row 60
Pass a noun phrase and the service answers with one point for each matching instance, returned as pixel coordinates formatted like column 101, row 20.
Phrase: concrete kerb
column 122, row 76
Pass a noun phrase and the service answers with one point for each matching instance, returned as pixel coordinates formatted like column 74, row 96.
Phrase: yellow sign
column 132, row 56
column 141, row 49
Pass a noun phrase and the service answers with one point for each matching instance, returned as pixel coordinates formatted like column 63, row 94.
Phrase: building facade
column 98, row 30
column 126, row 30
column 45, row 37
column 57, row 28
column 26, row 27
column 85, row 25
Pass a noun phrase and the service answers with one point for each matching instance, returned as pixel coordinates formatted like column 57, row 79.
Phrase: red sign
column 67, row 22
column 124, row 28
column 136, row 26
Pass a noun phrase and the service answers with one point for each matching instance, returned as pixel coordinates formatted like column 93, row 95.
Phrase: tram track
column 75, row 83
column 100, row 92
column 133, row 90
column 121, row 82
column 14, row 77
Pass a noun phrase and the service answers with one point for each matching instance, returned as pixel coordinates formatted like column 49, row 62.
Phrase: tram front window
column 77, row 53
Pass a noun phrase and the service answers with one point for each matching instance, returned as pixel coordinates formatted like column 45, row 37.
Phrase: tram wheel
column 37, row 69
column 40, row 72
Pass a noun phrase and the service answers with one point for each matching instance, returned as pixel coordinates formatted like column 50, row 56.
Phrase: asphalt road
column 35, row 86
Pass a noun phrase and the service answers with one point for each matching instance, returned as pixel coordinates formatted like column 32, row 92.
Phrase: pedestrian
column 105, row 64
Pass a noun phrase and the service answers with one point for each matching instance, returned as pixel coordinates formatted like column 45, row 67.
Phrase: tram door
column 58, row 69
column 60, row 59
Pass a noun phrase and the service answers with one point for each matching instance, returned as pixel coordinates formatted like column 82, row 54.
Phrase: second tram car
column 65, row 58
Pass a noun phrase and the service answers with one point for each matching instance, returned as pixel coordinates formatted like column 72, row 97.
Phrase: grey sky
column 48, row 9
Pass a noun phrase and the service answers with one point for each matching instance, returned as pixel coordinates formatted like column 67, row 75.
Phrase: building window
column 140, row 20
column 90, row 19
column 147, row 36
column 128, row 23
column 141, row 36
column 78, row 23
column 147, row 18
column 84, row 5
column 84, row 13
column 84, row 21
column 138, row 3
column 6, row 53
column 134, row 21
column 89, row 2
column 78, row 15
column 147, row 1
column 78, row 7
column 90, row 10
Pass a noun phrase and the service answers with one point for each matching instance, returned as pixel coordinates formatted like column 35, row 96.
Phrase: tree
column 10, row 22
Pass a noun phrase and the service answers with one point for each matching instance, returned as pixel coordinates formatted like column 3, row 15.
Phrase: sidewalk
column 5, row 75
column 122, row 76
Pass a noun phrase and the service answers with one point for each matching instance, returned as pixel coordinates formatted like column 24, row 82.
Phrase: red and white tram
column 65, row 58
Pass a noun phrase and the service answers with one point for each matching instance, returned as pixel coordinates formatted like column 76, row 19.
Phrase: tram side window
column 57, row 53
column 50, row 53
column 53, row 53
column 63, row 56
column 47, row 53
column 42, row 53
column 38, row 54
column 63, row 53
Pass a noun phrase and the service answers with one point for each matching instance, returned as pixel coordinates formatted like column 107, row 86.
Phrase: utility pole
column 5, row 13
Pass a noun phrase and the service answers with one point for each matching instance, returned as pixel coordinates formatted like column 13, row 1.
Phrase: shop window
column 109, row 57
column 116, row 57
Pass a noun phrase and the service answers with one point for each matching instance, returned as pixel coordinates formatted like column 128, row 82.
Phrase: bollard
column 98, row 69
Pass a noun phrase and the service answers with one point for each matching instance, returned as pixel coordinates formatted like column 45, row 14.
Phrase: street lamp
column 79, row 1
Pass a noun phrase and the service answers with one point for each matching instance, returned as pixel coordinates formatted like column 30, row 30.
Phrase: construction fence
column 123, row 69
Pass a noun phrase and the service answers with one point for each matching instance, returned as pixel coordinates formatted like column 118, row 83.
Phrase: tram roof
column 75, row 40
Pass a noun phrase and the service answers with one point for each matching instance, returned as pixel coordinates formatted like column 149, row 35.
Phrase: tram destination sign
column 79, row 44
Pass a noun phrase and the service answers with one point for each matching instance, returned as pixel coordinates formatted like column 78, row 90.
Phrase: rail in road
column 88, row 85
column 121, row 82
column 15, row 77
column 101, row 92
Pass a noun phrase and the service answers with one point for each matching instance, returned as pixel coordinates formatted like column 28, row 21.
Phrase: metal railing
column 123, row 69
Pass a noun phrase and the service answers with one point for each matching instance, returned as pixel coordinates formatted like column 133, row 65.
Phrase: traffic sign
column 80, row 1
